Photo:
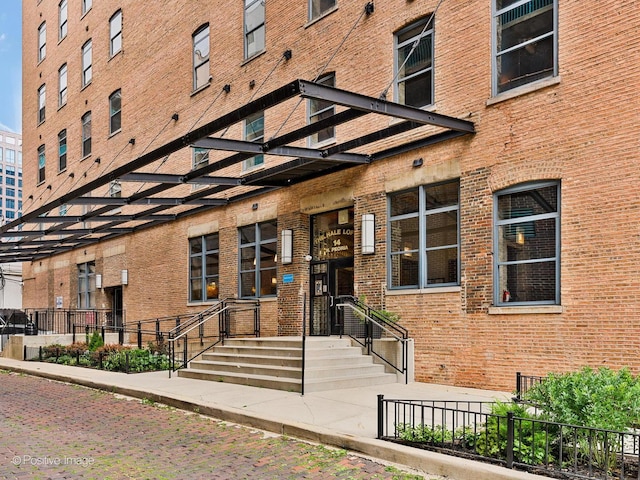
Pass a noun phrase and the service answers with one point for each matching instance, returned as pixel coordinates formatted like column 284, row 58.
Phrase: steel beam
column 383, row 107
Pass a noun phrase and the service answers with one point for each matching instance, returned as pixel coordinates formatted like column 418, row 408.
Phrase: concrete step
column 330, row 363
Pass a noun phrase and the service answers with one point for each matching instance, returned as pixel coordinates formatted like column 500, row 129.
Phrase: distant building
column 10, row 209
column 10, row 176
column 474, row 169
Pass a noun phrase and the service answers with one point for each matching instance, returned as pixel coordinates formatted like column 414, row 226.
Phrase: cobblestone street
column 55, row 430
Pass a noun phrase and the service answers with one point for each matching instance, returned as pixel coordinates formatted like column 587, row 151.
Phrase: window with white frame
column 62, row 19
column 87, row 60
column 42, row 101
column 115, row 33
column 86, row 6
column 201, row 76
column 62, row 85
column 254, row 132
column 87, row 285
column 317, row 8
column 527, row 245
column 321, row 109
column 414, row 64
column 115, row 112
column 204, row 268
column 62, row 150
column 258, row 259
column 86, row 134
column 254, row 29
column 42, row 41
column 41, row 164
column 525, row 42
column 424, row 236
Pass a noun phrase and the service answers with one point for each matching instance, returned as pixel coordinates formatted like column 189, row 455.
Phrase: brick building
column 491, row 147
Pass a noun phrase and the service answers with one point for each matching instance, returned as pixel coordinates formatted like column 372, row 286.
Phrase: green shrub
column 135, row 360
column 530, row 443
column 96, row 341
column 602, row 399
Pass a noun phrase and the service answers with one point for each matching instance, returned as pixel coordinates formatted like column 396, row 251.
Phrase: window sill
column 317, row 19
column 323, row 144
column 204, row 303
column 115, row 55
column 85, row 85
column 526, row 310
column 422, row 291
column 60, row 107
column 113, row 134
column 524, row 90
column 252, row 168
column 203, row 87
column 253, row 57
column 85, row 157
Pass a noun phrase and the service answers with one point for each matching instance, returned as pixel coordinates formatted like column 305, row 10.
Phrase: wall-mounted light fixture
column 368, row 233
column 125, row 277
column 286, row 246
column 98, row 280
column 417, row 163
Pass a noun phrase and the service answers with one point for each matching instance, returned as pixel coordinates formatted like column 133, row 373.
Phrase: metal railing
column 61, row 321
column 365, row 325
column 519, row 440
column 200, row 333
column 524, row 383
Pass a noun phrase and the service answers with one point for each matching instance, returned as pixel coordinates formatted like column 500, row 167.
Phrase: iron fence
column 524, row 383
column 515, row 439
column 59, row 321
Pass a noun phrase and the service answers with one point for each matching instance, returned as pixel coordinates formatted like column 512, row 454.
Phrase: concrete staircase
column 331, row 363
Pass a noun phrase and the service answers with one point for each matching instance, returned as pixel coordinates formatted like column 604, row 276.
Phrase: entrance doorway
column 331, row 268
column 117, row 311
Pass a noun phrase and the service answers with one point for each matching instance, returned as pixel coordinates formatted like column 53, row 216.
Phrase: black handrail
column 372, row 322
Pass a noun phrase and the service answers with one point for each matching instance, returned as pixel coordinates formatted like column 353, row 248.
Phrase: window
column 86, row 63
column 42, row 98
column 115, row 189
column 254, row 132
column 201, row 75
column 87, row 285
column 317, row 8
column 254, row 30
column 63, row 210
column 414, row 64
column 115, row 110
column 86, row 6
column 11, row 158
column 10, row 192
column 258, row 276
column 321, row 109
column 11, row 181
column 41, row 164
column 62, row 19
column 115, row 33
column 86, row 134
column 10, row 203
column 525, row 42
column 62, row 85
column 204, row 268
column 62, row 150
column 42, row 41
column 200, row 158
column 424, row 236
column 527, row 245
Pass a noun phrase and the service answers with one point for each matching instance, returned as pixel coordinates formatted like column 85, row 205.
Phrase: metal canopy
column 39, row 233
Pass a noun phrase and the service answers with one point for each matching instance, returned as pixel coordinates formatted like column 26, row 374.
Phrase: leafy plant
column 530, row 443
column 601, row 399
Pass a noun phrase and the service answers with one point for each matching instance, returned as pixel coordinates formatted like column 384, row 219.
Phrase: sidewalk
column 341, row 418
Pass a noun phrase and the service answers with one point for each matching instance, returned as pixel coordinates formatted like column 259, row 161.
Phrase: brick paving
column 53, row 430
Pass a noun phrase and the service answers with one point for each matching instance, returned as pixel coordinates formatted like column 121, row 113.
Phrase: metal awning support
column 111, row 217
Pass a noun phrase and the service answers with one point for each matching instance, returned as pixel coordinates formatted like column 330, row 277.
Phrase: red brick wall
column 582, row 131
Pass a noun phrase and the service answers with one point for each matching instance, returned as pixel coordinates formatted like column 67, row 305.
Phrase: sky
column 11, row 65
